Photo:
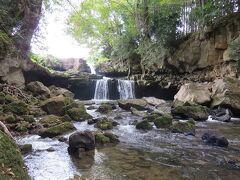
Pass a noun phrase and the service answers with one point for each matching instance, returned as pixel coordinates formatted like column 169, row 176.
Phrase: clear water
column 156, row 154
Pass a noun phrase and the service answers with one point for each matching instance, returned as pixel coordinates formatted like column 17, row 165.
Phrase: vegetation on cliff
column 144, row 28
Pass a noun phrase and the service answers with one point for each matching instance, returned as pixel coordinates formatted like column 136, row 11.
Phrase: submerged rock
column 144, row 125
column 12, row 165
column 214, row 140
column 197, row 112
column 56, row 130
column 187, row 127
column 81, row 141
column 138, row 104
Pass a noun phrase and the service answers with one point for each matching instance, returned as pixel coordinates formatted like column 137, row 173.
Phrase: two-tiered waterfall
column 126, row 89
column 101, row 90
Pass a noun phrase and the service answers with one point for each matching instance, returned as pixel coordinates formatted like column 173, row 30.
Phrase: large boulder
column 56, row 91
column 12, row 165
column 226, row 93
column 56, row 130
column 50, row 121
column 193, row 93
column 56, row 105
column 139, row 104
column 38, row 88
column 197, row 112
column 154, row 101
column 81, row 141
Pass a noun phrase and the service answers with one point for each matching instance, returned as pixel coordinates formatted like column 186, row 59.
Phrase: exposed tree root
column 5, row 129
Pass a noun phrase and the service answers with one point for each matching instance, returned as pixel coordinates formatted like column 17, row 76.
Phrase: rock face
column 10, row 158
column 194, row 93
column 73, row 64
column 81, row 141
column 226, row 93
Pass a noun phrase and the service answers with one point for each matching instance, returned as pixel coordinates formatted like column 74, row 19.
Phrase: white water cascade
column 126, row 89
column 101, row 90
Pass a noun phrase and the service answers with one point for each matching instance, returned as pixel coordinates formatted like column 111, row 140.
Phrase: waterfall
column 101, row 90
column 126, row 89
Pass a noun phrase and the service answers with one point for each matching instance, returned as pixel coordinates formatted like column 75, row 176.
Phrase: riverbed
column 152, row 155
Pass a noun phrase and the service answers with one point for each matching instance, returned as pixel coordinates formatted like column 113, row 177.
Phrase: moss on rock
column 183, row 127
column 144, row 125
column 10, row 157
column 56, row 130
column 104, row 124
column 50, row 120
column 105, row 108
column 197, row 112
column 163, row 121
column 79, row 113
column 18, row 108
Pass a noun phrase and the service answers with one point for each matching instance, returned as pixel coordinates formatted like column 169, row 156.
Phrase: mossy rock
column 106, row 138
column 105, row 108
column 50, row 120
column 28, row 118
column 183, row 127
column 113, row 138
column 18, row 108
column 79, row 114
column 9, row 99
column 66, row 118
column 10, row 119
column 101, row 139
column 10, row 157
column 23, row 126
column 25, row 148
column 144, row 125
column 104, row 124
column 2, row 98
column 197, row 112
column 56, row 130
column 56, row 105
column 163, row 121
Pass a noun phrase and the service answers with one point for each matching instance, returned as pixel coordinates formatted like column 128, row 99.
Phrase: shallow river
column 152, row 155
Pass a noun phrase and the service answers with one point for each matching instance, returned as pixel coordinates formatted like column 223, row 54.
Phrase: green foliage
column 41, row 60
column 234, row 53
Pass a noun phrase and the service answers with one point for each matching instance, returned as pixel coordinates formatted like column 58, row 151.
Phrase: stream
column 152, row 155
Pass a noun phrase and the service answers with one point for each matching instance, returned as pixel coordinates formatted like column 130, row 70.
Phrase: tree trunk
column 32, row 13
column 5, row 129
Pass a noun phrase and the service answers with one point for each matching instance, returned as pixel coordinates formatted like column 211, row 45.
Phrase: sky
column 56, row 41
